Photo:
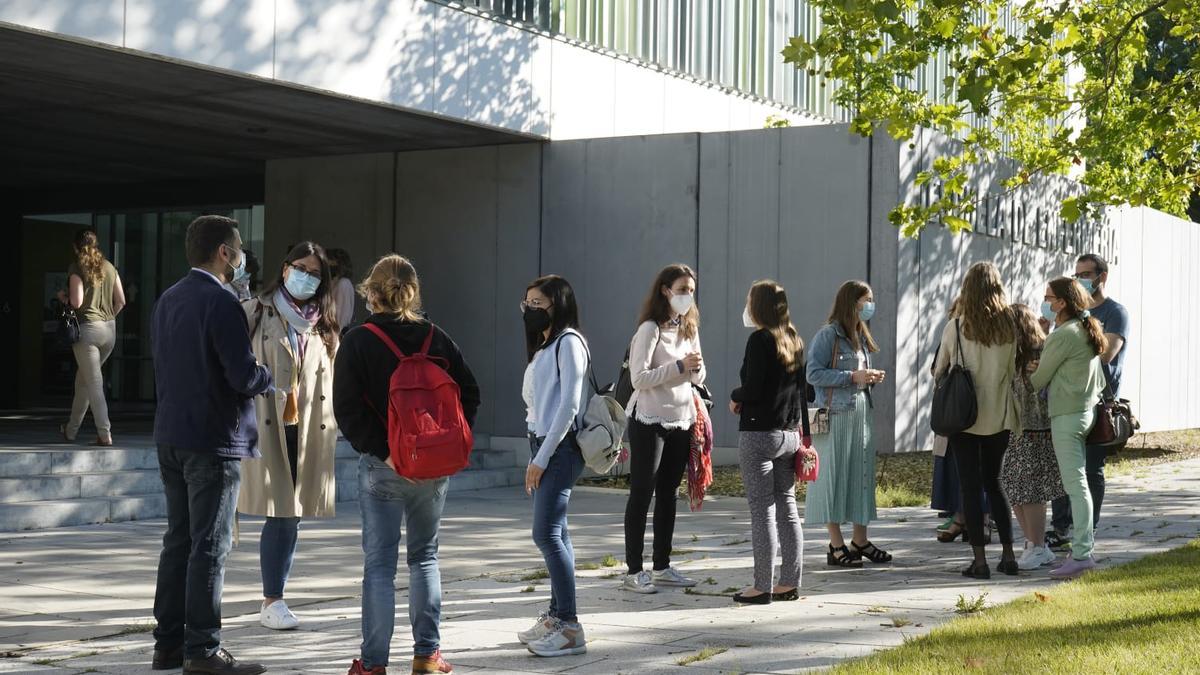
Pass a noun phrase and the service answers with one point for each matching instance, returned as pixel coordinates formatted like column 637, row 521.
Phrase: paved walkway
column 79, row 599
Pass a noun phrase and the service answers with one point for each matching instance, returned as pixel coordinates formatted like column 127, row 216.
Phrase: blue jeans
column 201, row 490
column 276, row 551
column 1060, row 509
column 385, row 500
column 550, row 533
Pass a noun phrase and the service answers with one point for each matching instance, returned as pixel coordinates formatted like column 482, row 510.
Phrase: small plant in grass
column 587, row 566
column 681, row 551
column 877, row 609
column 973, row 605
column 537, row 575
column 702, row 655
column 900, row 622
column 731, row 589
column 710, row 581
column 135, row 628
column 528, row 589
column 609, row 561
column 695, row 538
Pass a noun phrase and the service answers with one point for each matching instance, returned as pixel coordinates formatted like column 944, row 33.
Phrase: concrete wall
column 415, row 54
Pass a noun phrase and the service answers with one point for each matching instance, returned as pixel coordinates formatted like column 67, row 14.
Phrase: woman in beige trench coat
column 294, row 332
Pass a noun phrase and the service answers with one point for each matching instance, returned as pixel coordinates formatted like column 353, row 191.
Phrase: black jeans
column 202, row 491
column 1060, row 509
column 979, row 459
column 657, row 460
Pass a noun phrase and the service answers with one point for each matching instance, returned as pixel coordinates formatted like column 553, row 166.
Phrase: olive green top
column 1072, row 369
column 97, row 297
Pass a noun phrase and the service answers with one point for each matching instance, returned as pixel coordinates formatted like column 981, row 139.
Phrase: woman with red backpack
column 362, row 377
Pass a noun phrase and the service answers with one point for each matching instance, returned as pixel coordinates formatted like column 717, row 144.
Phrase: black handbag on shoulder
column 955, row 407
column 68, row 328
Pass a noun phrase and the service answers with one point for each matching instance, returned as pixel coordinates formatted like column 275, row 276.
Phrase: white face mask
column 746, row 320
column 681, row 302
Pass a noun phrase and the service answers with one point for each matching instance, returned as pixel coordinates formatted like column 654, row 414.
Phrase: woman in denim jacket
column 839, row 368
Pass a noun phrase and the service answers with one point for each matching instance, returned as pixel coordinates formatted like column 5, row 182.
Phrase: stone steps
column 63, row 485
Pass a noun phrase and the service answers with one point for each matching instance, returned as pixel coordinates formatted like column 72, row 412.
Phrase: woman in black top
column 769, row 403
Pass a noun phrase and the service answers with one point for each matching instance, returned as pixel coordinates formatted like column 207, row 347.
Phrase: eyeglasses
column 1086, row 275
column 527, row 305
column 305, row 270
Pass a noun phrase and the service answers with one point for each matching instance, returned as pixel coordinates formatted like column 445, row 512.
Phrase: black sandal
column 871, row 552
column 1009, row 567
column 978, row 570
column 841, row 557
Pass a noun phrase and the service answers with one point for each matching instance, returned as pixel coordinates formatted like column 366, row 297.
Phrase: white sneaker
column 1030, row 558
column 639, row 583
column 671, row 577
column 545, row 625
column 565, row 640
column 277, row 616
column 1045, row 556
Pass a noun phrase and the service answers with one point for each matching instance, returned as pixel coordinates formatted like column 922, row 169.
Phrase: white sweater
column 661, row 394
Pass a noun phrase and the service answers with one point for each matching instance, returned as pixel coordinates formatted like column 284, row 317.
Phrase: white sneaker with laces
column 639, row 583
column 277, row 616
column 545, row 625
column 567, row 639
column 1045, row 555
column 671, row 577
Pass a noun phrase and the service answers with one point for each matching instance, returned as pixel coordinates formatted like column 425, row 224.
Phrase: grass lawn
column 1143, row 617
column 905, row 479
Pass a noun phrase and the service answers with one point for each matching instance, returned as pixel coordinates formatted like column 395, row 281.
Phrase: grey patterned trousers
column 767, row 461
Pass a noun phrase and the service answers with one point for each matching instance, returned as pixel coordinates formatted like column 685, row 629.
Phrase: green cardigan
column 1072, row 370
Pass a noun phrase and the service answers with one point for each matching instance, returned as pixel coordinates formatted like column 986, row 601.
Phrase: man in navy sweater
column 206, row 379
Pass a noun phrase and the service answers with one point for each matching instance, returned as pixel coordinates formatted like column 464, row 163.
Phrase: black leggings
column 657, row 459
column 979, row 459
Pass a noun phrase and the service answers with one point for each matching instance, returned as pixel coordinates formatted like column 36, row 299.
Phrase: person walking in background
column 293, row 332
column 205, row 375
column 1029, row 474
column 839, row 368
column 361, row 377
column 558, row 354
column 1091, row 271
column 664, row 363
column 94, row 291
column 769, row 403
column 1071, row 367
column 341, row 270
column 981, row 336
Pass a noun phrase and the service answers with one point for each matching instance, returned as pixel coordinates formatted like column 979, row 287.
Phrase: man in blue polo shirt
column 206, row 378
column 1091, row 271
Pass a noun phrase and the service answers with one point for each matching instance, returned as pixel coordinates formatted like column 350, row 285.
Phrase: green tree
column 1107, row 88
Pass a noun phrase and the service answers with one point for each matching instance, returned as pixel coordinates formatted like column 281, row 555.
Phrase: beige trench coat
column 267, row 488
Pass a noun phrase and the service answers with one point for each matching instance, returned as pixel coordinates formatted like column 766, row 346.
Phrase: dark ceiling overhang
column 76, row 113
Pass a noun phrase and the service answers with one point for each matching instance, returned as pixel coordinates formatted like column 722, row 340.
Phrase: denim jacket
column 835, row 380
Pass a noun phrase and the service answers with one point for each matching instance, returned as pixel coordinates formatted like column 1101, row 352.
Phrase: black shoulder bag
column 955, row 406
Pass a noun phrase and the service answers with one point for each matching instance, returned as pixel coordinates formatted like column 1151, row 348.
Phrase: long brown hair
column 657, row 308
column 983, row 307
column 845, row 314
column 1030, row 336
column 327, row 326
column 769, row 309
column 1069, row 291
column 88, row 256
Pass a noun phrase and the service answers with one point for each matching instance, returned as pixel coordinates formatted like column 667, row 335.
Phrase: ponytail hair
column 1077, row 301
column 88, row 256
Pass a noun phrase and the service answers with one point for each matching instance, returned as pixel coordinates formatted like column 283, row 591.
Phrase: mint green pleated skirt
column 844, row 491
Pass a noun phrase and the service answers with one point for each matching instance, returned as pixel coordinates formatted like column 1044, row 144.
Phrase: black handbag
column 68, row 328
column 955, row 406
column 1115, row 422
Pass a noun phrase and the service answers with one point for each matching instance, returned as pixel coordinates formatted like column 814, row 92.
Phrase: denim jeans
column 550, row 533
column 201, row 490
column 1060, row 509
column 385, row 500
column 277, row 545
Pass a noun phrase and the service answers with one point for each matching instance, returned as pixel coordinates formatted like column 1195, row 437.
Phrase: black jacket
column 771, row 397
column 205, row 375
column 363, row 370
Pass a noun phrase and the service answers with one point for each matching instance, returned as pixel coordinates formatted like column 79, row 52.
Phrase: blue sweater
column 205, row 374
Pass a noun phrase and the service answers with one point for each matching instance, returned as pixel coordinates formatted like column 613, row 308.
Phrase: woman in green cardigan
column 1070, row 366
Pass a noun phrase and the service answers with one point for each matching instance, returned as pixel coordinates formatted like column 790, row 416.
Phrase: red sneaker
column 433, row 664
column 357, row 668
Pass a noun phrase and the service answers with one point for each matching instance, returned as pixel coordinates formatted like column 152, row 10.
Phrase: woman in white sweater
column 664, row 363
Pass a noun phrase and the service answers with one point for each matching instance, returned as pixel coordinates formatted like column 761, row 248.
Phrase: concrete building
column 495, row 141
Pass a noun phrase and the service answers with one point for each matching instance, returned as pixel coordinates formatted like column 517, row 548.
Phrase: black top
column 205, row 374
column 771, row 397
column 363, row 370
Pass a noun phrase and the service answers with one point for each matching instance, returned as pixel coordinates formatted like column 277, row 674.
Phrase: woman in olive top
column 1070, row 366
column 96, row 295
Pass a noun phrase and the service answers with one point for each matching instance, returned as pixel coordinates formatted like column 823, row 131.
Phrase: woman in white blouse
column 664, row 364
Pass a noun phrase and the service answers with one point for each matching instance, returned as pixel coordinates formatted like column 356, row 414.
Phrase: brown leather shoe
column 221, row 663
column 167, row 659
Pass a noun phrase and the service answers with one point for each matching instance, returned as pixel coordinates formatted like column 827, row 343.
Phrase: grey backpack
column 603, row 424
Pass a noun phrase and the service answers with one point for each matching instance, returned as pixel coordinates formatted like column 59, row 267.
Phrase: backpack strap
column 428, row 340
column 387, row 340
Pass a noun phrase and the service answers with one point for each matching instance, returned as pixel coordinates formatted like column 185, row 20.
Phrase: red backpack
column 428, row 435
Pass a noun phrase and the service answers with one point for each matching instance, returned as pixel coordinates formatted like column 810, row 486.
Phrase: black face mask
column 537, row 320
